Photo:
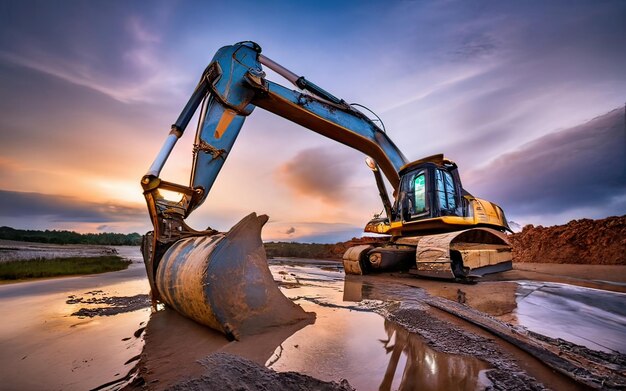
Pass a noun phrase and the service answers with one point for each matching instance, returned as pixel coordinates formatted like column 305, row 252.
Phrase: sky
column 88, row 90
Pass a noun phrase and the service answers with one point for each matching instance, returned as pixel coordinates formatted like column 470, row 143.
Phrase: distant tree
column 70, row 237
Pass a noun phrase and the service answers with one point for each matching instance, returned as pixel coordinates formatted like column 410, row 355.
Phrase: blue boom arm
column 229, row 90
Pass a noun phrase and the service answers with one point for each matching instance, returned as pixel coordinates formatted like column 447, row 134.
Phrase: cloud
column 474, row 46
column 322, row 173
column 528, row 69
column 581, row 168
column 111, row 50
column 311, row 232
column 54, row 208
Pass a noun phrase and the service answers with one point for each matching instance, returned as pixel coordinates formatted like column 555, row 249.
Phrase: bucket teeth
column 223, row 281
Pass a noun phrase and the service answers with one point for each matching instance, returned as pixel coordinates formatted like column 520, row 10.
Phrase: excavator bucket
column 223, row 281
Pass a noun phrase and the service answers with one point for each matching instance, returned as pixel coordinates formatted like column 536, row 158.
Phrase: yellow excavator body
column 433, row 238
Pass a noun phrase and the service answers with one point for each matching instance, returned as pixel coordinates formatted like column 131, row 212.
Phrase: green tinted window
column 420, row 194
column 445, row 190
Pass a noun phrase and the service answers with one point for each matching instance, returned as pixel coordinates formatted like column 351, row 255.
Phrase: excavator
column 435, row 227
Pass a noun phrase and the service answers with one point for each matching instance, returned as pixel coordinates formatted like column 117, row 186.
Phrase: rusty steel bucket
column 223, row 281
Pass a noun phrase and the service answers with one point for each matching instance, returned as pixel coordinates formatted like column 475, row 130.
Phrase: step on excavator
column 221, row 279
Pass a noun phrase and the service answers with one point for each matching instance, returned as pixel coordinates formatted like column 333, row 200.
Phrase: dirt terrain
column 585, row 241
column 538, row 326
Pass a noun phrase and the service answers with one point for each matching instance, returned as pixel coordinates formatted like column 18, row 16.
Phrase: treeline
column 298, row 250
column 69, row 237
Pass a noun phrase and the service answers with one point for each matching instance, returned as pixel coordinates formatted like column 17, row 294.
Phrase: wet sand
column 353, row 337
column 44, row 346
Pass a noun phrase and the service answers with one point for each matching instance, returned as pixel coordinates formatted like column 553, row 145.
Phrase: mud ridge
column 226, row 372
column 113, row 305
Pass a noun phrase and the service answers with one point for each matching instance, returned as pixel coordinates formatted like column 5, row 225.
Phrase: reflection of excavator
column 222, row 279
column 425, row 368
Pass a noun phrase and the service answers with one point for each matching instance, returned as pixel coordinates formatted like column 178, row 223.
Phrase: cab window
column 445, row 190
column 419, row 194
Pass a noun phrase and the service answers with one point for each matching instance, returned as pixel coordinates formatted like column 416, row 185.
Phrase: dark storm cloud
column 321, row 172
column 112, row 49
column 580, row 167
column 506, row 69
column 63, row 209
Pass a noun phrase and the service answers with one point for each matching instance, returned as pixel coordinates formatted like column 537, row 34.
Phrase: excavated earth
column 588, row 242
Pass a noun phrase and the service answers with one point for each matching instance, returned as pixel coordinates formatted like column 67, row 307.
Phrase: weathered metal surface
column 223, row 281
column 478, row 256
column 460, row 254
column 391, row 258
column 354, row 259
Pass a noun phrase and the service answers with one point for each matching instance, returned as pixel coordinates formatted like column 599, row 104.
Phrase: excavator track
column 463, row 255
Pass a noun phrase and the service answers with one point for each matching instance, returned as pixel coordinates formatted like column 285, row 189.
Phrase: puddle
column 348, row 341
column 372, row 353
column 590, row 317
column 594, row 318
column 43, row 346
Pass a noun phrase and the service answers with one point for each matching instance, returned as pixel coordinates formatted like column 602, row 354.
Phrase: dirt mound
column 585, row 241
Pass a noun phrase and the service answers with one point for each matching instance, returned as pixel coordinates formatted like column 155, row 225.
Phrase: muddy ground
column 398, row 332
column 386, row 332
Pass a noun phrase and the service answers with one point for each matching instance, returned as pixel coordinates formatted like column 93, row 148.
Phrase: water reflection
column 174, row 345
column 499, row 299
column 590, row 317
column 423, row 368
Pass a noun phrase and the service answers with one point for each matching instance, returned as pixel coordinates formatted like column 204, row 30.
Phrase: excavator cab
column 429, row 190
column 431, row 199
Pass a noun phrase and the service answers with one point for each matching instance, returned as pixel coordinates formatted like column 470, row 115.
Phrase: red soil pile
column 585, row 241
